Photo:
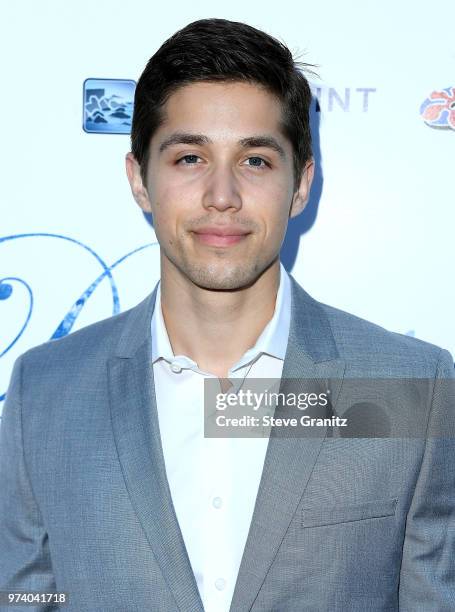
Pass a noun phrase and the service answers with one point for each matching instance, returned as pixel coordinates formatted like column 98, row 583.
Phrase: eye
column 189, row 160
column 257, row 162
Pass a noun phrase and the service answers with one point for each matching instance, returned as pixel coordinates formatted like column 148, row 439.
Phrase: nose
column 221, row 189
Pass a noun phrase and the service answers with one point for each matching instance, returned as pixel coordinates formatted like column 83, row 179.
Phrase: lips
column 218, row 235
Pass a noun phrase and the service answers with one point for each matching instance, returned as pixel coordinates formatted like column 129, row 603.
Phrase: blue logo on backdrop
column 108, row 106
column 9, row 284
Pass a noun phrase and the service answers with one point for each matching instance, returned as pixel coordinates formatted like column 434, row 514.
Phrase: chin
column 223, row 277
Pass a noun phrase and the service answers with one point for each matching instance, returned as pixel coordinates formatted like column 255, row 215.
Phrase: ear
column 138, row 188
column 302, row 194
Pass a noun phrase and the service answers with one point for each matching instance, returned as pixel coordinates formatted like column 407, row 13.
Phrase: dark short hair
column 222, row 50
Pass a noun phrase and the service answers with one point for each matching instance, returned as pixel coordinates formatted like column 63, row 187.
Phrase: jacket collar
column 310, row 332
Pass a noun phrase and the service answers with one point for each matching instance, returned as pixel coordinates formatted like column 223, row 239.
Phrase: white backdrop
column 377, row 239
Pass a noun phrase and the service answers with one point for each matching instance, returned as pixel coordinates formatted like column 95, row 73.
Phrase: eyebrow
column 200, row 139
column 183, row 138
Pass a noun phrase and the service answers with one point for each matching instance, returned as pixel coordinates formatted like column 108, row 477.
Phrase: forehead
column 222, row 111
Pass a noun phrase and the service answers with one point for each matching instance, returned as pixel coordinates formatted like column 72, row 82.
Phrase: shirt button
column 217, row 502
column 176, row 368
column 220, row 583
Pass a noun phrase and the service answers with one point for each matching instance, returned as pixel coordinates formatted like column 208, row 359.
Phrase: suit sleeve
column 427, row 577
column 25, row 563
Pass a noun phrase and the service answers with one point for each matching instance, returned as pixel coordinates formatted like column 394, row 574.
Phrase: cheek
column 164, row 229
column 169, row 220
column 277, row 230
column 277, row 235
column 275, row 187
column 275, row 207
column 165, row 206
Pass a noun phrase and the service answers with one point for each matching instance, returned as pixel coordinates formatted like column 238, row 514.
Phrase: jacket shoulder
column 368, row 344
column 91, row 344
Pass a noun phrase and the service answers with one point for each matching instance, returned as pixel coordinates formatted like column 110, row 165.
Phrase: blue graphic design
column 108, row 106
column 66, row 324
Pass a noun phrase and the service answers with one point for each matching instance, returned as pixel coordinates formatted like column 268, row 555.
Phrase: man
column 109, row 490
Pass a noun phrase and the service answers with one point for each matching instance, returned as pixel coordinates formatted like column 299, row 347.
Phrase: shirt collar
column 273, row 339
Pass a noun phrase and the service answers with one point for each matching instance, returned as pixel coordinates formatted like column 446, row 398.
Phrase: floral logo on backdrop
column 438, row 110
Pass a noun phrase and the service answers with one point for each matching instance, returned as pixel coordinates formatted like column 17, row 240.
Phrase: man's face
column 219, row 184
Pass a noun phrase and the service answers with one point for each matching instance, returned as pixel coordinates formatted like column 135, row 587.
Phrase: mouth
column 220, row 236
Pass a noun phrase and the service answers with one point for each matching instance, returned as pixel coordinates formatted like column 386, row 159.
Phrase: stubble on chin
column 222, row 276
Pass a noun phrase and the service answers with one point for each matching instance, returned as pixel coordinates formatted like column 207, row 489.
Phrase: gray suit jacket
column 340, row 524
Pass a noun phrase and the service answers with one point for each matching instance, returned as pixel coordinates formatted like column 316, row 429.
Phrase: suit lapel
column 311, row 354
column 137, row 437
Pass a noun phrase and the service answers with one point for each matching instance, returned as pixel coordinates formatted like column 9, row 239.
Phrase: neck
column 215, row 328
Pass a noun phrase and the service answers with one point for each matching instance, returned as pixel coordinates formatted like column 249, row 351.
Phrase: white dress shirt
column 213, row 481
